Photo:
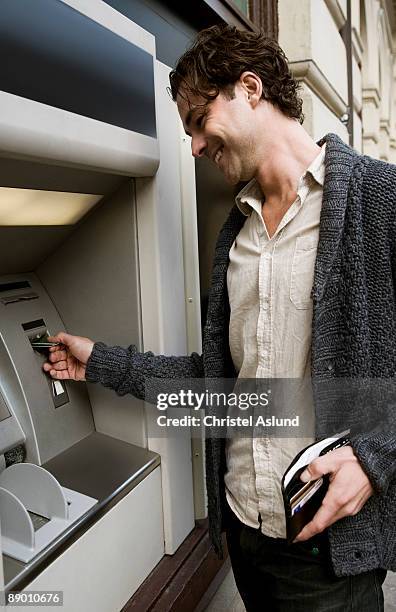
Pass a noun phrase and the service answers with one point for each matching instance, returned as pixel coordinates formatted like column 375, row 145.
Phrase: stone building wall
column 311, row 33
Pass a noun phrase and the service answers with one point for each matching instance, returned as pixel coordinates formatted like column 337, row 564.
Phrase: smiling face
column 224, row 130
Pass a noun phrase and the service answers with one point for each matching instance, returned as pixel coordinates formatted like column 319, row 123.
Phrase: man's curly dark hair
column 218, row 57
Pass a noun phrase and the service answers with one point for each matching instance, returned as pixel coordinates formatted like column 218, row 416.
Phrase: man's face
column 223, row 130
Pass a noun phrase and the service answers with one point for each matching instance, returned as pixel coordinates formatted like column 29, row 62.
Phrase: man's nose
column 198, row 145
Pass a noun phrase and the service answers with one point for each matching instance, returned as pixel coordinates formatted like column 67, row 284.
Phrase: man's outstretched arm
column 124, row 370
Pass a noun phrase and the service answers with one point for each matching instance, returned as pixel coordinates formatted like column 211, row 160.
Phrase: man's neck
column 285, row 162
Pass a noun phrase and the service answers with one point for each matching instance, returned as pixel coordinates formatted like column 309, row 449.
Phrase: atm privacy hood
column 23, row 247
column 76, row 92
column 77, row 112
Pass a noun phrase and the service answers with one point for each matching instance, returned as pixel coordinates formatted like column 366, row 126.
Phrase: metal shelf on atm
column 99, row 466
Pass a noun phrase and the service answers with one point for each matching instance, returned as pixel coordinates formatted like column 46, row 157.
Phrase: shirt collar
column 317, row 167
column 251, row 196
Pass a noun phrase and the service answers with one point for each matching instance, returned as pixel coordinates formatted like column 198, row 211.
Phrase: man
column 314, row 220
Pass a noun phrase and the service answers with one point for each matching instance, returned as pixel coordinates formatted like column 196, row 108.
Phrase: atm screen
column 4, row 412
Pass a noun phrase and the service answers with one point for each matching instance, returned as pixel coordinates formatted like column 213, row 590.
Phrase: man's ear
column 252, row 86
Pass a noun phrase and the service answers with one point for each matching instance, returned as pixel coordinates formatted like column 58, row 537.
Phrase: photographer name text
column 227, row 421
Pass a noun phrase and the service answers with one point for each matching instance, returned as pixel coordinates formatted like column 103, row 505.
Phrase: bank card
column 301, row 500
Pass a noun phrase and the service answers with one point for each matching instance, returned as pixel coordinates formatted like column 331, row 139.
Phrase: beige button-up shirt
column 269, row 285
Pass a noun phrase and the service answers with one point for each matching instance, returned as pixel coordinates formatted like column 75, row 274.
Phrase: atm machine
column 90, row 173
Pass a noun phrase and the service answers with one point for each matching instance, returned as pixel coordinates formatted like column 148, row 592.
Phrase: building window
column 243, row 6
column 262, row 13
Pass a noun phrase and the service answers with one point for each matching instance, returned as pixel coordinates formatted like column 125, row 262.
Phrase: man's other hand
column 68, row 361
column 348, row 491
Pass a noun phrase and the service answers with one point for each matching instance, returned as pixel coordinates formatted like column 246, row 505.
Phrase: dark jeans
column 272, row 576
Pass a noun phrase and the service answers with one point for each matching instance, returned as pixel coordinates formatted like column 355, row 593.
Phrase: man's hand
column 348, row 491
column 68, row 361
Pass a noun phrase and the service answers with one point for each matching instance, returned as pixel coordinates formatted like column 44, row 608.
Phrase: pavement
column 227, row 598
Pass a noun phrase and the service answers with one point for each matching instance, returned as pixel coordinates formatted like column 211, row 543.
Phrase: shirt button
column 330, row 367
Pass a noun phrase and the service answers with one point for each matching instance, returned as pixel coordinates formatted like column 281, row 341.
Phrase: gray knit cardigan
column 353, row 335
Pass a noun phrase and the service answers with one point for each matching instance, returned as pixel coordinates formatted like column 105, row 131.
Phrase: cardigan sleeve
column 376, row 452
column 126, row 370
